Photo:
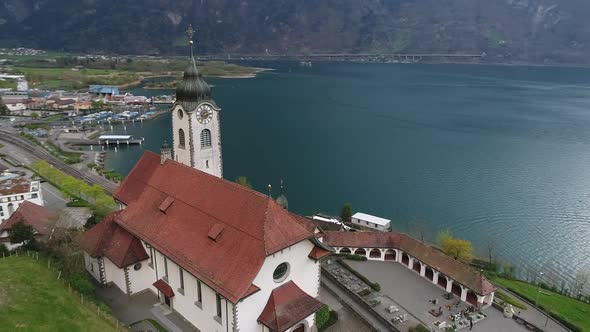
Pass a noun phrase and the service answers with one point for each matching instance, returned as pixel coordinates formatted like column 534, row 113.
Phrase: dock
column 109, row 140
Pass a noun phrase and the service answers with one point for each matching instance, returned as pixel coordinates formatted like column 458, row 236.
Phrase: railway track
column 40, row 153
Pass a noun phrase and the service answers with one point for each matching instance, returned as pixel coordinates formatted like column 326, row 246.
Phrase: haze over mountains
column 536, row 31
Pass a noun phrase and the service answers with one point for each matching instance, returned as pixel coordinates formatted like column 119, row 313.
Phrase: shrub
column 77, row 202
column 82, row 284
column 4, row 250
column 322, row 317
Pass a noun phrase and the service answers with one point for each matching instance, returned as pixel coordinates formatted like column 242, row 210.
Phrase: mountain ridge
column 534, row 31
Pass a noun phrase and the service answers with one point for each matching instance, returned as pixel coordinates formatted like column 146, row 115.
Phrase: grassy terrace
column 562, row 307
column 32, row 299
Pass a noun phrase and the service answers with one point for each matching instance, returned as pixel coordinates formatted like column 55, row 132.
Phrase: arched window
column 205, row 138
column 181, row 138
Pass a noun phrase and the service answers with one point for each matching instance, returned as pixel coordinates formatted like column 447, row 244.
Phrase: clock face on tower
column 204, row 113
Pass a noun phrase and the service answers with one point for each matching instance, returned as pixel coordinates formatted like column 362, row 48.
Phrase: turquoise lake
column 489, row 152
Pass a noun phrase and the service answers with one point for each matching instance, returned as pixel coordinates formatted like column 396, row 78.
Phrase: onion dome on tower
column 192, row 89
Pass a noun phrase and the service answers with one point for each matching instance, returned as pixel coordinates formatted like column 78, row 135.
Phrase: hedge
column 322, row 317
column 351, row 257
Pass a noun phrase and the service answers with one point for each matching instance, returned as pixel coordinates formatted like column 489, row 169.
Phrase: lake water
column 489, row 152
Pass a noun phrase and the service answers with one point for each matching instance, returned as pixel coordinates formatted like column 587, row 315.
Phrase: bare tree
column 420, row 228
column 490, row 245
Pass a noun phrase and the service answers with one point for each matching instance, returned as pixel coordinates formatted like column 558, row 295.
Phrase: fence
column 88, row 302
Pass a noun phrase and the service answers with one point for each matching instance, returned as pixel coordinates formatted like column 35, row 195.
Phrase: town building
column 372, row 222
column 15, row 190
column 103, row 90
column 221, row 255
column 41, row 219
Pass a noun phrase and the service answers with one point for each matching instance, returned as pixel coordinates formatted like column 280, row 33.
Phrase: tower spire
column 190, row 32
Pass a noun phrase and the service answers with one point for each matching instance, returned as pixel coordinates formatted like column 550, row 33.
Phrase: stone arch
column 375, row 253
column 429, row 273
column 456, row 289
column 405, row 259
column 360, row 252
column 417, row 266
column 471, row 297
column 344, row 251
column 390, row 255
column 442, row 281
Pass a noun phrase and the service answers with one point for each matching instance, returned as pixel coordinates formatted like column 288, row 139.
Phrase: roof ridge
column 180, row 199
column 231, row 183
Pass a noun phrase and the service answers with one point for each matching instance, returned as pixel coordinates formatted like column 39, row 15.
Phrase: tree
column 34, row 115
column 419, row 228
column 346, row 212
column 242, row 180
column 490, row 243
column 21, row 232
column 459, row 249
column 582, row 279
column 3, row 109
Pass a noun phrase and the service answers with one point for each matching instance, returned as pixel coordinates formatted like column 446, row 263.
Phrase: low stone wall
column 358, row 299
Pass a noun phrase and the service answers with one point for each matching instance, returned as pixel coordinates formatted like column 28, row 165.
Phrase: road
column 40, row 154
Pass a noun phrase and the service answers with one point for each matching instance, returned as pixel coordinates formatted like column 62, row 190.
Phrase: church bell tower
column 195, row 121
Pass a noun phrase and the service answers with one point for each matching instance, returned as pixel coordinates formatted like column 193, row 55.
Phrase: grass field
column 575, row 312
column 32, row 299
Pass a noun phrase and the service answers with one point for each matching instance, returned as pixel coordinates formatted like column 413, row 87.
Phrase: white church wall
column 114, row 274
column 202, row 316
column 207, row 159
column 182, row 155
column 143, row 278
column 303, row 271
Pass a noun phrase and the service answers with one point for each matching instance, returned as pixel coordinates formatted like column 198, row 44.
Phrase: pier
column 109, row 140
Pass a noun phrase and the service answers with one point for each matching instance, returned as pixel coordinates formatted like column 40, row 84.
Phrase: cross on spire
column 190, row 32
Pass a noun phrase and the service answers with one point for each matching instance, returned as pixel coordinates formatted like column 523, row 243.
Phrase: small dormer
column 215, row 232
column 166, row 203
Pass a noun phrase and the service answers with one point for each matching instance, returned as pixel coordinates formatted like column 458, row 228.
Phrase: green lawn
column 32, row 299
column 576, row 312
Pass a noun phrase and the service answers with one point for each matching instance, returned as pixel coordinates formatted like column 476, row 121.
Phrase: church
column 224, row 257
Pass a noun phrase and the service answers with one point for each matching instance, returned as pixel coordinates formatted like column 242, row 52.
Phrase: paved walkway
column 132, row 309
column 361, row 311
column 348, row 320
column 414, row 292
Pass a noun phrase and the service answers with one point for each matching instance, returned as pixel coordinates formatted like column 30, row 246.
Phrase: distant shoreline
column 234, row 76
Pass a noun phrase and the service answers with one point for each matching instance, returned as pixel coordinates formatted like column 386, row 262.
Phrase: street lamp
column 538, row 289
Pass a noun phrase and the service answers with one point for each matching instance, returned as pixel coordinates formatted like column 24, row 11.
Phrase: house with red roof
column 223, row 256
column 41, row 219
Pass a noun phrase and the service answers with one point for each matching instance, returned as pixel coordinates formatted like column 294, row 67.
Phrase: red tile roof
column 254, row 226
column 287, row 306
column 318, row 253
column 38, row 217
column 112, row 241
column 163, row 287
column 462, row 273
